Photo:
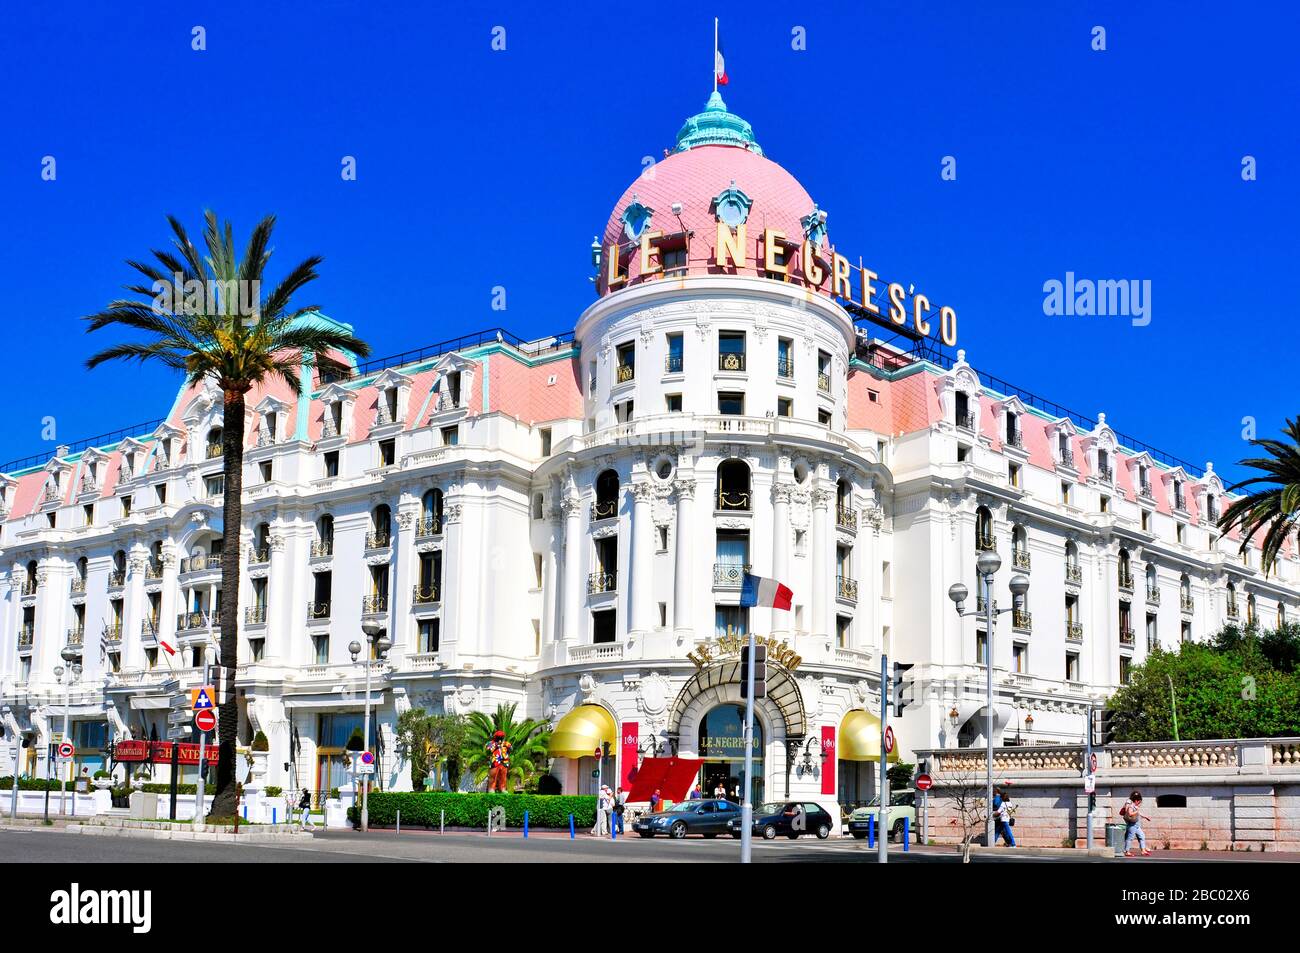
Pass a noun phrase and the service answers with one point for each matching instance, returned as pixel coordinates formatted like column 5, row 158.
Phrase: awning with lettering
column 859, row 738
column 582, row 731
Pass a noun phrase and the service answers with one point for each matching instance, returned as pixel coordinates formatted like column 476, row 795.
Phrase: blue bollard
column 273, row 814
column 907, row 833
column 525, row 824
column 613, row 830
column 571, row 834
column 871, row 830
column 245, row 812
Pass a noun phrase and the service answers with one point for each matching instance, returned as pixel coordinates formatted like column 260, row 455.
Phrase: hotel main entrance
column 722, row 749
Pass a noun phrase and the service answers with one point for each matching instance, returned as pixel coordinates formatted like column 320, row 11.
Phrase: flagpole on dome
column 715, row 54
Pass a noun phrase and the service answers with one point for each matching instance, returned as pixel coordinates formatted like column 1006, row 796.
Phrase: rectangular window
column 1020, row 658
column 161, row 490
column 663, row 538
column 265, row 467
column 255, row 648
column 674, row 363
column 387, row 453
column 842, row 626
column 624, row 410
column 731, row 403
column 1125, row 669
column 886, row 581
column 785, row 407
column 673, row 403
column 126, row 507
column 450, row 436
column 332, row 463
column 824, row 418
column 730, row 619
column 731, row 350
column 428, row 635
column 151, row 659
column 1146, row 521
column 537, row 570
column 1072, row 666
column 1186, row 633
column 214, row 485
column 1065, row 494
column 1178, row 532
column 546, row 441
column 321, row 649
column 603, row 626
column 1013, row 474
column 785, row 358
column 1104, row 504
column 88, row 511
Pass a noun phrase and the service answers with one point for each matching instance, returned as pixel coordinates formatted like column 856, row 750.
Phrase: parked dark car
column 706, row 817
column 779, row 818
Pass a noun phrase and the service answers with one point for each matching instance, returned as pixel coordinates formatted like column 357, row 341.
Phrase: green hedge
column 421, row 809
column 34, row 784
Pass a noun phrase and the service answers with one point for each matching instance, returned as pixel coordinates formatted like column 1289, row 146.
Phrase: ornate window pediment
column 814, row 226
column 731, row 206
column 636, row 219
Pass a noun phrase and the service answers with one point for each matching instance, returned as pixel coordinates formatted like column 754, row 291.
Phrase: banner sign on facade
column 830, row 768
column 161, row 752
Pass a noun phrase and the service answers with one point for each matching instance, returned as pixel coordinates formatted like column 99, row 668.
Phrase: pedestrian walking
column 1133, row 817
column 304, row 805
column 620, row 807
column 601, row 828
column 1003, row 819
column 655, row 802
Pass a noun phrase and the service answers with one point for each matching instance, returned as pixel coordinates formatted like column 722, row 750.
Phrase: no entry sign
column 205, row 719
column 924, row 782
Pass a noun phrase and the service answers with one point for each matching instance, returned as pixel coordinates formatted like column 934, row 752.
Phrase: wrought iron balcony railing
column 374, row 604
column 1186, row 603
column 78, row 586
column 1022, row 619
column 153, row 569
column 1153, row 595
column 673, row 364
column 846, row 517
column 321, row 548
column 1067, row 458
column 625, row 373
column 255, row 615
column 785, row 367
column 1074, row 632
column 1016, row 439
column 824, row 383
column 733, row 499
column 729, row 575
column 1233, row 611
column 424, row 595
column 1125, row 636
column 29, row 587
column 1144, row 488
column 428, row 525
column 113, row 632
column 1126, row 581
column 76, row 635
column 379, row 539
column 604, row 510
column 213, row 451
column 117, row 579
column 984, row 541
column 599, row 582
column 1106, row 474
column 318, row 610
column 199, row 563
column 1020, row 559
column 731, row 361
column 258, row 555
column 846, row 588
column 966, row 421
column 26, row 636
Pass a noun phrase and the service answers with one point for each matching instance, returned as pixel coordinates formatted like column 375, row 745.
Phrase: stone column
column 572, row 507
column 280, row 608
column 642, row 590
column 682, row 562
column 550, row 582
column 822, row 540
column 781, row 620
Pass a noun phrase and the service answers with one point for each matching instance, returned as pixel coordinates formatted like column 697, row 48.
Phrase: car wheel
column 793, row 835
column 823, row 832
column 646, row 834
column 769, row 832
column 678, row 830
column 857, row 836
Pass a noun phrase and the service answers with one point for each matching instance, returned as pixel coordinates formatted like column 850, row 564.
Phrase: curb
column 1107, row 852
column 146, row 833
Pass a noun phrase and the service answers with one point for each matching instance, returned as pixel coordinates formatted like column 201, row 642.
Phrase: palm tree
column 230, row 334
column 529, row 743
column 1276, row 505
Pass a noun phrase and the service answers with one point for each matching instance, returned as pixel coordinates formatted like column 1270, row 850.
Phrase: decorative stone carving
column 643, row 492
column 404, row 520
column 451, row 514
column 685, row 489
column 653, row 694
column 587, row 686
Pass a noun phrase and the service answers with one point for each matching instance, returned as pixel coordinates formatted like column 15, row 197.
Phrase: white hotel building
column 562, row 524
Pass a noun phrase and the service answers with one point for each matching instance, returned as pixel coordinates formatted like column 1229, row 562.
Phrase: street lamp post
column 69, row 655
column 7, row 713
column 374, row 635
column 986, row 566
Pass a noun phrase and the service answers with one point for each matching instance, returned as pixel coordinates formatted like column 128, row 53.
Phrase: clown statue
column 498, row 750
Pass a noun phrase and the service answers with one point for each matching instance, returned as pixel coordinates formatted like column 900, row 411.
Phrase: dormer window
column 387, row 407
column 1178, row 495
column 731, row 207
column 635, row 218
column 333, row 420
column 1014, row 438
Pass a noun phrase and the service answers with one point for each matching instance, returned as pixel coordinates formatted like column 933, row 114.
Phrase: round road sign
column 66, row 750
column 924, row 782
column 889, row 739
column 205, row 719
column 1092, row 763
column 367, row 757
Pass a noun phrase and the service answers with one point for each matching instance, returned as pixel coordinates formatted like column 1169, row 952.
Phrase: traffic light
column 1105, row 725
column 900, row 691
column 760, row 671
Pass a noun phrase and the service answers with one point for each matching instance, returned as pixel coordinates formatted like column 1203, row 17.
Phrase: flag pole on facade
column 715, row 54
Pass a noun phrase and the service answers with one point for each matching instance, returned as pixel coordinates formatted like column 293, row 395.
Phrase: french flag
column 761, row 591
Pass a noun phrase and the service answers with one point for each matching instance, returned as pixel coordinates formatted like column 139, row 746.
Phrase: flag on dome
column 719, row 65
column 760, row 591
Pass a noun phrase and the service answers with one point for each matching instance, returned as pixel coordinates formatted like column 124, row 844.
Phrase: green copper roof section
column 716, row 127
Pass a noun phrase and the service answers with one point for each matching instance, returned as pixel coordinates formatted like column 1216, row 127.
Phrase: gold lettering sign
column 729, row 645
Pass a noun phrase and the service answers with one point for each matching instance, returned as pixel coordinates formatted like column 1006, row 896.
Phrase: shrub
column 274, row 790
column 260, row 742
column 355, row 741
column 471, row 810
column 102, row 774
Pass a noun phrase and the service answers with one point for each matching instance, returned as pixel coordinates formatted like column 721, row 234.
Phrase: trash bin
column 1115, row 838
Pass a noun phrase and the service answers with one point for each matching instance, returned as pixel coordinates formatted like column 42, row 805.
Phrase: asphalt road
column 29, row 845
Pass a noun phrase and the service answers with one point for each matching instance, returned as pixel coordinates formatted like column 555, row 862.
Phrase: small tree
column 900, row 775
column 965, row 791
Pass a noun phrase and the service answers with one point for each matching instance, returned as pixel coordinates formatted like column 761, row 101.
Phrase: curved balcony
column 733, row 499
column 729, row 575
column 599, row 582
column 374, row 605
column 424, row 595
column 199, row 563
column 197, row 620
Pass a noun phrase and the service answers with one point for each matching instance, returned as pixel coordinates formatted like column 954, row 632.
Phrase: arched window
column 1071, row 553
column 83, row 568
column 984, row 529
column 430, row 513
column 733, row 485
column 1232, row 600
column 214, row 443
column 381, row 525
column 606, row 504
column 323, row 545
column 1250, row 609
column 1125, row 570
column 31, row 575
column 1019, row 547
column 1151, row 579
column 537, row 506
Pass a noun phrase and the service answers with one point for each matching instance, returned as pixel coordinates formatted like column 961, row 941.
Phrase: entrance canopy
column 671, row 777
column 582, row 731
column 782, row 691
column 860, row 738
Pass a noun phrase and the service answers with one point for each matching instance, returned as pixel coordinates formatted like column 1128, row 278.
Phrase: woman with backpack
column 1133, row 817
column 304, row 805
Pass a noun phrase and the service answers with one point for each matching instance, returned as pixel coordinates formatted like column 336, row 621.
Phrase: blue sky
column 1122, row 164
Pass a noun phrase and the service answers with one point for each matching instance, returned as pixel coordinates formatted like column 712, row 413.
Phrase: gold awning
column 582, row 731
column 859, row 738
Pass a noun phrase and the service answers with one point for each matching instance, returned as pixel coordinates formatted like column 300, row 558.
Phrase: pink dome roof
column 695, row 177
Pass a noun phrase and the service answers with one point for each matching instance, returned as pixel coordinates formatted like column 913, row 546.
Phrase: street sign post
column 180, row 717
column 66, row 751
column 1092, row 763
column 923, row 784
column 179, row 731
column 202, row 697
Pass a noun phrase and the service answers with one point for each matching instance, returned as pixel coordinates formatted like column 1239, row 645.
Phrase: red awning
column 672, row 777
